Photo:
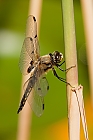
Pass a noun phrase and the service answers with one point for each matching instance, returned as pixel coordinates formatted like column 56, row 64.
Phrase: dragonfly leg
column 66, row 70
column 61, row 63
column 60, row 78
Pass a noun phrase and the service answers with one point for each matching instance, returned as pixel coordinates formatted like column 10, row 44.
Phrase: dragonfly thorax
column 57, row 57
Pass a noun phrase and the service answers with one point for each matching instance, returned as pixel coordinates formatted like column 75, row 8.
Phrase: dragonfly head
column 57, row 57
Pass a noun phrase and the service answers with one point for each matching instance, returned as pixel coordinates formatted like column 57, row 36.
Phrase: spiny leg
column 61, row 63
column 61, row 79
column 66, row 70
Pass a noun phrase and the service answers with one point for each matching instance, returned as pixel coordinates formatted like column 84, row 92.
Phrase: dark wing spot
column 43, row 77
column 39, row 88
column 32, row 52
column 29, row 70
column 47, row 87
column 31, row 62
column 43, row 106
column 35, row 36
column 34, row 18
column 31, row 39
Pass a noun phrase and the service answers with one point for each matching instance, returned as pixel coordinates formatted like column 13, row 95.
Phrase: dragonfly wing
column 30, row 48
column 31, row 31
column 36, row 102
column 36, row 98
column 26, row 60
column 42, row 86
column 31, row 26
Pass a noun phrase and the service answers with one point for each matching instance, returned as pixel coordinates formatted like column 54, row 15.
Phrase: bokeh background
column 52, row 125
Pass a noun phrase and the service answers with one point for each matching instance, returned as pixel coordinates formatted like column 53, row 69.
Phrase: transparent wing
column 30, row 48
column 36, row 97
column 31, row 31
column 26, row 59
column 31, row 27
column 36, row 102
column 41, row 86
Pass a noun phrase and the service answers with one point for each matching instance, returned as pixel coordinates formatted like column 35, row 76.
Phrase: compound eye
column 57, row 57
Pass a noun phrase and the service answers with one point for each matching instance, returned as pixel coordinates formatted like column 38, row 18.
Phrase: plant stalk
column 72, row 74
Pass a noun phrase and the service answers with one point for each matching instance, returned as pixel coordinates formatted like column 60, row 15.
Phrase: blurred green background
column 13, row 16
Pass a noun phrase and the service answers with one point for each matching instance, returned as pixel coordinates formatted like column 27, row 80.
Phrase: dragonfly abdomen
column 24, row 98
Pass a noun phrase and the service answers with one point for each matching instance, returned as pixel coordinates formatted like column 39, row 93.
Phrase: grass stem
column 72, row 74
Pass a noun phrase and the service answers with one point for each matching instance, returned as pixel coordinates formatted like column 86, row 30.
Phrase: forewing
column 25, row 57
column 41, row 86
column 31, row 31
column 31, row 26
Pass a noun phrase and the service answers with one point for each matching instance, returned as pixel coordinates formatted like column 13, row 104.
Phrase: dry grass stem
column 87, row 11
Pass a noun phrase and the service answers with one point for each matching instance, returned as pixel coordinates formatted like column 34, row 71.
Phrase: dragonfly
column 36, row 87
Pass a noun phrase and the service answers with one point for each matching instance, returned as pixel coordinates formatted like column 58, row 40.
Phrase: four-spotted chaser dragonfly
column 31, row 62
